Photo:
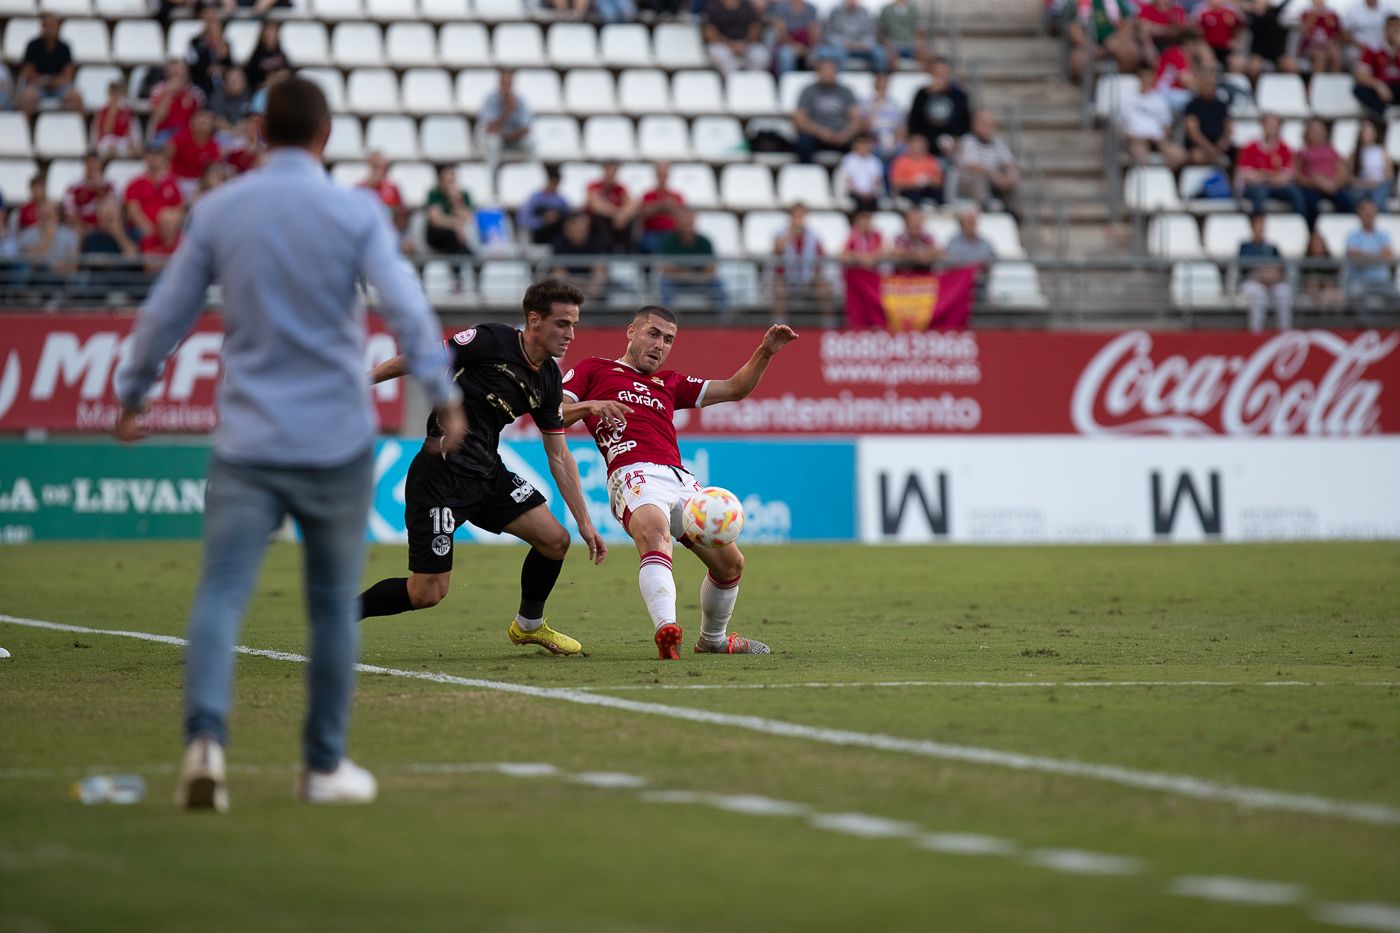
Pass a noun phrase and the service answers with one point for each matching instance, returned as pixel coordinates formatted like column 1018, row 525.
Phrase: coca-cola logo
column 1298, row 382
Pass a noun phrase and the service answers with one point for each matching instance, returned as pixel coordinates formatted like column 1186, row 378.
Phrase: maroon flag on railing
column 925, row 301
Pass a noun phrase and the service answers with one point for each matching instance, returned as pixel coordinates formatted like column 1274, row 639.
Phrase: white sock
column 717, row 601
column 658, row 587
column 527, row 625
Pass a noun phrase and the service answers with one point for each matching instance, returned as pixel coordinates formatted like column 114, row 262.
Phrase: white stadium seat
column 516, row 181
column 464, row 45
column 556, row 138
column 625, row 45
column 1015, row 285
column 746, row 186
column 805, row 184
column 415, row 180
column 832, row 228
column 751, row 93
column 346, row 139
column 589, row 90
column 332, row 10
column 678, row 45
column 499, row 11
column 790, row 88
column 357, row 45
column 861, row 83
column 606, row 137
column 1289, row 232
column 63, row 174
column 332, row 84
column 637, row 177
column 663, row 137
column 904, row 85
column 92, row 82
column 18, row 32
column 1392, row 139
column 1150, row 188
column 539, row 88
column 372, row 90
column 242, row 36
column 761, row 228
column 503, row 280
column 1331, row 97
column 179, row 36
column 15, row 139
column 442, row 11
column 572, row 45
column 1241, row 96
column 722, row 228
column 474, row 85
column 14, row 179
column 1282, row 94
column 445, row 138
column 25, row 8
column 518, row 45
column 140, row 42
column 87, row 40
column 574, row 179
column 1002, row 231
column 391, row 10
column 696, row 183
column 718, row 139
column 306, row 44
column 349, row 174
column 66, row 7
column 59, row 135
column 1175, row 236
column 697, row 92
column 1222, row 234
column 1334, row 230
column 121, row 9
column 427, row 90
column 120, row 172
column 407, row 45
column 395, row 136
column 1197, row 284
column 1110, row 93
column 475, row 180
column 1192, row 177
column 644, row 90
column 1344, row 134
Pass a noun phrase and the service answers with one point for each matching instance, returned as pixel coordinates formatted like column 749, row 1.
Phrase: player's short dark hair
column 646, row 311
column 296, row 112
column 541, row 297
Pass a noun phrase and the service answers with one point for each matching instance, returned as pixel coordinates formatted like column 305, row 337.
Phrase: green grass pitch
column 452, row 845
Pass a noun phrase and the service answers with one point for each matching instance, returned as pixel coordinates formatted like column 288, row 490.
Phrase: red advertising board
column 56, row 373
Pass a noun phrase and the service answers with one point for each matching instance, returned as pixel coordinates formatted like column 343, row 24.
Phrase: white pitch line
column 1079, row 862
column 1181, row 785
column 1238, row 890
column 1365, row 916
column 998, row 683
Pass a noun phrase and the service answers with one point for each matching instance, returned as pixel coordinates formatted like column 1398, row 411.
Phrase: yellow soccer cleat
column 545, row 637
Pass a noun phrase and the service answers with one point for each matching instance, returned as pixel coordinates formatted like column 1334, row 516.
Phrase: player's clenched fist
column 778, row 336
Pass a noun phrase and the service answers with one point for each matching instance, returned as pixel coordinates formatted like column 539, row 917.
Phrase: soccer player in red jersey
column 647, row 482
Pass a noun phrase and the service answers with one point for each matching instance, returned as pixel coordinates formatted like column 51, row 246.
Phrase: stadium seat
column 475, row 180
column 1197, row 284
column 663, row 137
column 357, row 45
column 1247, row 131
column 25, row 8
column 696, row 92
column 638, row 177
column 696, row 183
column 751, row 93
column 87, row 39
column 516, row 181
column 15, row 139
column 1111, row 91
column 349, row 174
column 1174, row 236
column 1390, row 223
column 179, row 36
column 718, row 139
column 1150, row 188
column 609, row 138
column 572, row 45
column 408, row 45
column 1242, row 99
column 1289, row 232
column 539, row 87
column 942, row 227
column 1334, row 230
column 415, row 180
column 346, row 140
column 445, row 138
column 242, row 36
column 306, row 44
column 121, row 9
column 1283, row 94
column 444, row 11
column 643, row 90
column 1392, row 139
column 1192, row 177
column 92, row 82
column 63, row 174
column 861, row 83
column 395, row 136
column 502, row 281
column 556, row 138
column 1344, row 134
column 1331, row 97
column 903, row 86
column 790, row 88
column 332, row 84
column 1222, row 234
column 464, row 45
column 499, row 11
column 722, row 228
column 439, row 280
column 832, row 228
column 372, row 90
column 518, row 45
column 120, row 172
column 474, row 85
column 59, row 135
column 761, row 228
column 805, row 184
column 574, row 179
column 1015, row 285
column 66, row 7
column 678, row 45
column 18, row 32
column 333, row 10
column 140, row 42
column 391, row 10
column 1002, row 231
column 588, row 91
column 427, row 90
column 625, row 45
column 746, row 186
column 14, row 179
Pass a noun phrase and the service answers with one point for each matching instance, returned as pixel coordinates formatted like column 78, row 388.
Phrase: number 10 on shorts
column 443, row 521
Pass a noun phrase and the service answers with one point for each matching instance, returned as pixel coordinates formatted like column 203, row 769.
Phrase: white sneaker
column 348, row 783
column 202, row 784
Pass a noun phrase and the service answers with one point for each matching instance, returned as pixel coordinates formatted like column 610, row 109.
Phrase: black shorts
column 438, row 498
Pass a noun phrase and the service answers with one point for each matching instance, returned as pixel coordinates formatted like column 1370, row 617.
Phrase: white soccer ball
column 712, row 517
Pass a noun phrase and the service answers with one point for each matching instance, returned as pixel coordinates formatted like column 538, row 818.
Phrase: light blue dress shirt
column 287, row 247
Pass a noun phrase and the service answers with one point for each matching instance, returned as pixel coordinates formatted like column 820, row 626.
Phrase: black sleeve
column 917, row 126
column 31, row 54
column 471, row 347
column 962, row 114
column 549, row 416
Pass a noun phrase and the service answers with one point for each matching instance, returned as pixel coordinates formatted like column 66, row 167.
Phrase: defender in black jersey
column 503, row 373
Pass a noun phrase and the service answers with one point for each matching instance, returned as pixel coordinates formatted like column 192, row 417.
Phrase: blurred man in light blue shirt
column 1369, row 271
column 297, row 429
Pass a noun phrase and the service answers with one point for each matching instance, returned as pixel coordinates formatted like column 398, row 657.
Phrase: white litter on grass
column 863, row 825
column 966, row 844
column 1079, row 862
column 607, row 779
column 1238, row 890
column 1362, row 916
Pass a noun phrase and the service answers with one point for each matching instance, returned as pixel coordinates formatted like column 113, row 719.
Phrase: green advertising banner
column 100, row 491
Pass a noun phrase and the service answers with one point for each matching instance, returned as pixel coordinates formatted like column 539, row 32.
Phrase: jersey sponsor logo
column 465, row 337
column 646, row 400
column 442, row 544
column 522, row 491
column 641, row 387
column 620, row 448
column 694, row 379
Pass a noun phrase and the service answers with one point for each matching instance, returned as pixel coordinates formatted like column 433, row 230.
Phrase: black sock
column 537, row 576
column 386, row 598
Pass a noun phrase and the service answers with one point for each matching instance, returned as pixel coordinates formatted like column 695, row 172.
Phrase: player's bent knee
column 732, row 563
column 556, row 546
column 427, row 591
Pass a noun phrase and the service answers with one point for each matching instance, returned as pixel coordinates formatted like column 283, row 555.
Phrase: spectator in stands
column 691, row 274
column 1322, row 173
column 1114, row 29
column 1365, row 24
column 105, row 247
column 7, row 88
column 863, row 174
column 267, row 56
column 796, row 27
column 1320, row 283
column 192, row 150
column 1264, row 170
column 544, row 213
column 151, row 192
column 613, row 209
column 570, row 9
column 1378, row 72
column 917, row 175
column 28, row 213
column 986, row 167
column 1222, row 28
column 851, row 32
column 450, row 215
column 915, row 249
column 1209, row 130
column 1269, row 38
column 258, row 107
column 827, row 116
column 884, row 119
column 389, row 195
column 46, row 71
column 1178, row 65
column 902, row 31
column 173, row 102
column 1320, row 42
column 1264, row 278
column 578, row 239
column 1145, row 120
column 245, row 150
column 50, row 248
column 799, row 272
column 940, row 112
column 214, row 175
column 231, row 100
column 1372, row 172
column 160, row 244
column 733, row 29
column 1161, row 21
column 615, row 11
column 505, row 123
column 254, row 7
column 208, row 57
column 660, row 209
column 81, row 200
column 968, row 248
column 114, row 126
column 1370, row 280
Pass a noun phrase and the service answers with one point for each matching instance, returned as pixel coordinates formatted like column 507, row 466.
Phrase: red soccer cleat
column 732, row 644
column 668, row 641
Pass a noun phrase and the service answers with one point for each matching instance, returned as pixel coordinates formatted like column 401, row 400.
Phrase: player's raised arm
column 743, row 382
column 565, row 470
column 393, row 368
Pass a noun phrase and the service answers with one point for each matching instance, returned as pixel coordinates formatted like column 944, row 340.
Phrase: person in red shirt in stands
column 1264, row 170
column 192, row 150
column 612, row 209
column 28, row 213
column 113, row 128
column 246, row 151
column 1221, row 22
column 1161, row 21
column 1378, row 73
column 1320, row 32
column 159, row 245
column 1176, row 68
column 173, row 102
column 151, row 192
column 388, row 193
column 82, row 198
column 660, row 207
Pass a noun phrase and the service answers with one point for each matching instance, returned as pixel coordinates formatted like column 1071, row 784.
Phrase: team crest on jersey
column 568, row 375
column 658, row 380
column 442, row 544
column 465, row 337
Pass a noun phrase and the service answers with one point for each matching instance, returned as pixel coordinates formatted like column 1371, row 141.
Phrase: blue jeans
column 243, row 506
column 1379, row 195
column 876, row 55
column 615, row 11
column 1257, row 194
